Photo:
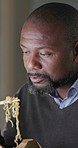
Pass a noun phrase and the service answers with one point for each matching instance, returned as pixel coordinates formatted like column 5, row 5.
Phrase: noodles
column 11, row 108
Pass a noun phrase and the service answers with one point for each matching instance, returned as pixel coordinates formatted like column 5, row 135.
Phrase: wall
column 37, row 3
column 12, row 73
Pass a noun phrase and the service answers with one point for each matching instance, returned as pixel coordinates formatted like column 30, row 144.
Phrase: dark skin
column 46, row 51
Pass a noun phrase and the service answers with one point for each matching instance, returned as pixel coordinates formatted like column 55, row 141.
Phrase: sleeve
column 9, row 134
column 2, row 142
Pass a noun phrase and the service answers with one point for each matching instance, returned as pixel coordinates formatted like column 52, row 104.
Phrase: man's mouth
column 38, row 79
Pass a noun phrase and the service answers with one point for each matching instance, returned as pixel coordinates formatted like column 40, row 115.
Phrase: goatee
column 40, row 90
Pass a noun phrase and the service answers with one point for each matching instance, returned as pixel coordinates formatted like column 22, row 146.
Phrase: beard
column 52, row 85
column 40, row 90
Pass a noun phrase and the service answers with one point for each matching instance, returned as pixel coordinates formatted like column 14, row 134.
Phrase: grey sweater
column 42, row 120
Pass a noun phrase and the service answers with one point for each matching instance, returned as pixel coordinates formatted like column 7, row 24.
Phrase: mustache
column 38, row 75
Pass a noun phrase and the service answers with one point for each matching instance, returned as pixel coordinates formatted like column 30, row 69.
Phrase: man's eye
column 45, row 54
column 26, row 52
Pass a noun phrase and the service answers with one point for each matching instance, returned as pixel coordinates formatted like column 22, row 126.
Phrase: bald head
column 58, row 13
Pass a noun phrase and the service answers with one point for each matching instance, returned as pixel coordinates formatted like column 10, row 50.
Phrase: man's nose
column 34, row 63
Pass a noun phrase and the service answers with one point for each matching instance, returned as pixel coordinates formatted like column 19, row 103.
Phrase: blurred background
column 12, row 16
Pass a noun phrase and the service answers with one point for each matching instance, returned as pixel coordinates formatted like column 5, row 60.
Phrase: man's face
column 45, row 53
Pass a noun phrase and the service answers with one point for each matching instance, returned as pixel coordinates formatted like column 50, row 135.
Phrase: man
column 49, row 102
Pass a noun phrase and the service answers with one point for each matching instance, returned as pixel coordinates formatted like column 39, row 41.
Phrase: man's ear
column 76, row 52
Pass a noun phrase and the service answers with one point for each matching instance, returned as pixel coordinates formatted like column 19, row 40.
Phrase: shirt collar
column 75, row 85
column 72, row 96
column 72, row 90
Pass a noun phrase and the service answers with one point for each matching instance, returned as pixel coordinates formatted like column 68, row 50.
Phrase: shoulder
column 23, row 90
column 23, row 93
column 23, row 87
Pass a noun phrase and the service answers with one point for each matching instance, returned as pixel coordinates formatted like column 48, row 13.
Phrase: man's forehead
column 32, row 34
column 39, row 31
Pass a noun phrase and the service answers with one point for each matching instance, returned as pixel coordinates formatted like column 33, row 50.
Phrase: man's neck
column 62, row 91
